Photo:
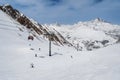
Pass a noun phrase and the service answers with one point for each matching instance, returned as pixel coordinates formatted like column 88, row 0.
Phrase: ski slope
column 66, row 63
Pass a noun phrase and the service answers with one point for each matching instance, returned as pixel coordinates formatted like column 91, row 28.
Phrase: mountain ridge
column 35, row 28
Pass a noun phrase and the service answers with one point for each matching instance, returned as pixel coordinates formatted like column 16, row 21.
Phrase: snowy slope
column 66, row 63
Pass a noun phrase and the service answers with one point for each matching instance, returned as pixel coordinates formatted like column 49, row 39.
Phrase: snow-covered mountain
column 23, row 59
column 90, row 35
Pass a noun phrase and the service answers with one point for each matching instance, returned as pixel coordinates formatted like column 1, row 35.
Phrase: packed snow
column 21, row 59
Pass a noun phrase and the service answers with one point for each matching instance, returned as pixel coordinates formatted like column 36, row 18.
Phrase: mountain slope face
column 33, row 27
column 90, row 35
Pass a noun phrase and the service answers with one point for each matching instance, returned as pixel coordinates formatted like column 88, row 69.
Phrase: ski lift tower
column 49, row 35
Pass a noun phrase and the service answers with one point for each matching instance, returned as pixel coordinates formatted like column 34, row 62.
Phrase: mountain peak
column 98, row 20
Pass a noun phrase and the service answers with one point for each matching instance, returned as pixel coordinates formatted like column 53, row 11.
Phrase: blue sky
column 68, row 11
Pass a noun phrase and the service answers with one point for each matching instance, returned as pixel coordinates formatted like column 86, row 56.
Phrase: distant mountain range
column 90, row 35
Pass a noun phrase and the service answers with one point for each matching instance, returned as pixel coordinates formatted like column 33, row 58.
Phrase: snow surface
column 66, row 63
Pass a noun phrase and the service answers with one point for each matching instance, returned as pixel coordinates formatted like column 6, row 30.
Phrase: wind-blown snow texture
column 17, row 54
